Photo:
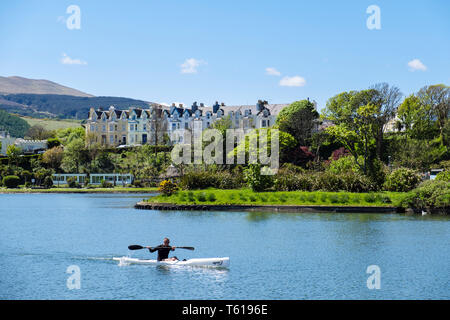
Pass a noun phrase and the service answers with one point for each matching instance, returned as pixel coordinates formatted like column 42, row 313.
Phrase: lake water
column 272, row 255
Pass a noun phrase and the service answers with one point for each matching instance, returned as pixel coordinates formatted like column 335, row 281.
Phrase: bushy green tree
column 299, row 119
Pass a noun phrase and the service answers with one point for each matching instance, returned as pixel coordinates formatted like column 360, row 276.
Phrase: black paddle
column 138, row 247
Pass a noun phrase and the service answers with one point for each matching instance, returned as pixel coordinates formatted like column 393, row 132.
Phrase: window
column 186, row 125
column 111, row 127
column 123, row 127
column 131, row 127
column 104, row 128
column 92, row 127
column 111, row 139
column 145, row 127
column 135, row 126
column 263, row 123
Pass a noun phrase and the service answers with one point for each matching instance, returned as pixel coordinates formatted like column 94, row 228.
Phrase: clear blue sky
column 136, row 48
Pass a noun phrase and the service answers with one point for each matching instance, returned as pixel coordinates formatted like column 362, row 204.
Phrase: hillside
column 62, row 106
column 15, row 85
column 16, row 126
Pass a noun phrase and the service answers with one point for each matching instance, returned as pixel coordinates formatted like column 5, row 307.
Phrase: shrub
column 242, row 197
column 344, row 198
column 443, row 176
column 327, row 181
column 356, row 198
column 384, row 198
column 429, row 194
column 167, row 187
column 199, row 180
column 48, row 182
column 256, row 180
column 283, row 198
column 28, row 184
column 227, row 180
column 334, row 198
column 11, row 181
column 191, row 197
column 370, row 198
column 72, row 182
column 211, row 197
column 311, row 197
column 342, row 165
column 356, row 182
column 288, row 181
column 323, row 197
column 106, row 184
column 201, row 197
column 402, row 180
column 138, row 183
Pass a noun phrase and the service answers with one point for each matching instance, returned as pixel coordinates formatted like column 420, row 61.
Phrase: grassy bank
column 248, row 197
column 52, row 124
column 81, row 190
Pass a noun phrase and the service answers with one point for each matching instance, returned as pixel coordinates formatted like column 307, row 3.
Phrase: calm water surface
column 273, row 255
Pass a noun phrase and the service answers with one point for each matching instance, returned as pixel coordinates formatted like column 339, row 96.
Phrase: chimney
column 194, row 107
column 216, row 107
column 259, row 106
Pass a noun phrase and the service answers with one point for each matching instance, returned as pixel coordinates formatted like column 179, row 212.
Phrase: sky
column 234, row 52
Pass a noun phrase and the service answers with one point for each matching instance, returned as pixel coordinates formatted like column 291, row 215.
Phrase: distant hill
column 16, row 126
column 14, row 85
column 62, row 106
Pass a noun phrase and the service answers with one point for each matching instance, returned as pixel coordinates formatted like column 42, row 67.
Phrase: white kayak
column 201, row 262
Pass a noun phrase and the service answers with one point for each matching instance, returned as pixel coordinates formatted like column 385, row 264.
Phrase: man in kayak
column 163, row 251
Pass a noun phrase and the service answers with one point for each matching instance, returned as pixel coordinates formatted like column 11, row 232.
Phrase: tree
column 38, row 132
column 67, row 135
column 387, row 99
column 299, row 119
column 437, row 99
column 53, row 157
column 13, row 153
column 75, row 156
column 358, row 136
column 356, row 118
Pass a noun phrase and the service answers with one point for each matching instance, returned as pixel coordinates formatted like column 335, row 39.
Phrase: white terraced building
column 200, row 117
column 138, row 126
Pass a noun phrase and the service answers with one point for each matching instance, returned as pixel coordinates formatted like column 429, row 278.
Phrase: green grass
column 52, row 124
column 248, row 197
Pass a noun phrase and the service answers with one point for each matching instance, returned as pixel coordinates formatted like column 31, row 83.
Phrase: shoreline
column 76, row 190
column 143, row 205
